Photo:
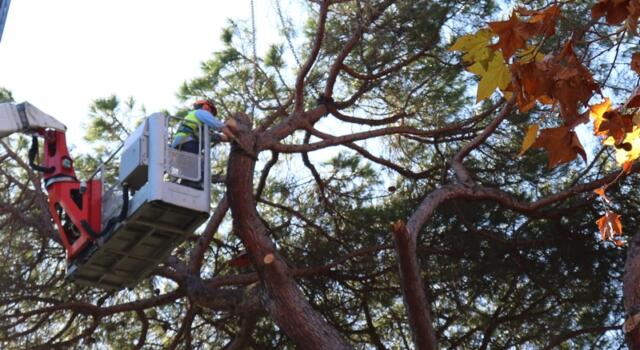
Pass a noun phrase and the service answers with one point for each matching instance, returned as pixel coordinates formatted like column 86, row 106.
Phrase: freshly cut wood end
column 269, row 258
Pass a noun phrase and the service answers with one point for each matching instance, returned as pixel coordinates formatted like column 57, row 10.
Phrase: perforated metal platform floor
column 135, row 247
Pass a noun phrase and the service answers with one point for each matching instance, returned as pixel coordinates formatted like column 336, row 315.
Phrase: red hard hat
column 207, row 105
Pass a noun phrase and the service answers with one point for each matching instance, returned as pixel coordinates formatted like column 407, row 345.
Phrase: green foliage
column 495, row 278
column 274, row 57
column 110, row 121
column 104, row 125
column 227, row 34
column 5, row 95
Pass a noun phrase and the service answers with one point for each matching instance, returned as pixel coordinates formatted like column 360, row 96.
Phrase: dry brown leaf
column 574, row 83
column 562, row 145
column 563, row 79
column 615, row 124
column 541, row 22
column 615, row 11
column 634, row 100
column 512, row 35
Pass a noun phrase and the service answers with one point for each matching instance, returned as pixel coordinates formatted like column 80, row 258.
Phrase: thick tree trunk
column 631, row 289
column 284, row 301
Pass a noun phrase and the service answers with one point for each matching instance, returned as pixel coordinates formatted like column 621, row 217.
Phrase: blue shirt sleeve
column 207, row 118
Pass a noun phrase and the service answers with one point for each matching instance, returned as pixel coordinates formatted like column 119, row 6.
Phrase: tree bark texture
column 413, row 290
column 283, row 300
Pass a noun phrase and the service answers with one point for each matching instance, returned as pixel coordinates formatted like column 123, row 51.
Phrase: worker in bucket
column 187, row 136
column 204, row 112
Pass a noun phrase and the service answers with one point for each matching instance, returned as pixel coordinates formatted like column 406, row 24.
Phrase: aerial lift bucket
column 24, row 117
column 160, row 213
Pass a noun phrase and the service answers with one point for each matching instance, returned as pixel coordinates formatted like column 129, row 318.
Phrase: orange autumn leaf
column 531, row 84
column 533, row 78
column 562, row 145
column 563, row 79
column 599, row 109
column 574, row 83
column 601, row 192
column 597, row 112
column 610, row 226
column 546, row 100
column 635, row 62
column 512, row 35
column 541, row 22
column 616, row 125
column 626, row 167
column 570, row 89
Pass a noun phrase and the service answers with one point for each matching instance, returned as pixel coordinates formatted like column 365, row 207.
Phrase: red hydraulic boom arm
column 74, row 206
column 107, row 249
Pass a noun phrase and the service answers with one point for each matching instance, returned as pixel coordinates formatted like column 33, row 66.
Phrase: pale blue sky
column 60, row 55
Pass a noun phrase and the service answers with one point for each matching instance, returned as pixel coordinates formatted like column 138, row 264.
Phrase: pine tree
column 378, row 204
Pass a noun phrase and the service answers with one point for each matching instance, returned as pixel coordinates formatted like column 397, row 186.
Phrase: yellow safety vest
column 190, row 126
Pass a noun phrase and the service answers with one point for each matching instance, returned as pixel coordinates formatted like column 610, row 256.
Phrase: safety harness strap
column 184, row 128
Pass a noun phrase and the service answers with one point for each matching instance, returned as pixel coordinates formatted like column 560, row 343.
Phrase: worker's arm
column 209, row 120
column 214, row 123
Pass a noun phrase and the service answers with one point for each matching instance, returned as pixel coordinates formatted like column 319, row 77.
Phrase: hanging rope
column 255, row 58
column 286, row 33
